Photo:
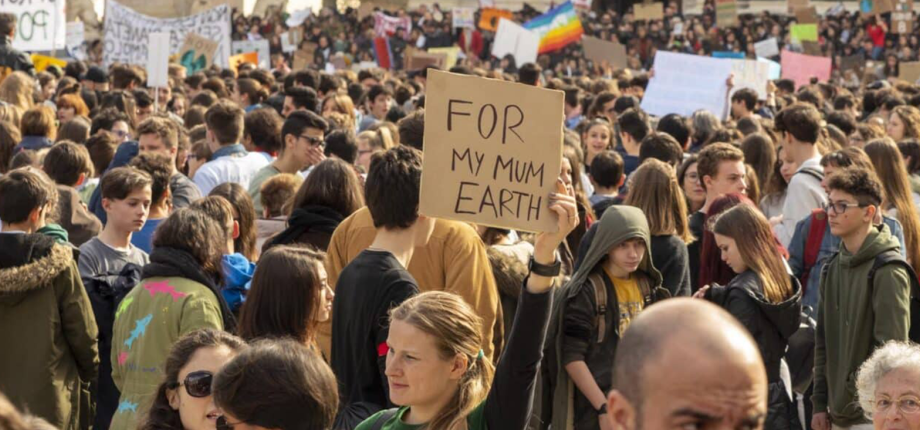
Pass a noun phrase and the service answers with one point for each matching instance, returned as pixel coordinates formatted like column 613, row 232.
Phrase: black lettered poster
column 493, row 151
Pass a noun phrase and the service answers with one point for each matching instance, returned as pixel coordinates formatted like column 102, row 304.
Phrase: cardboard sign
column 599, row 51
column 792, row 5
column 902, row 18
column 259, row 46
column 158, row 60
column 197, row 53
column 877, row 7
column 909, row 71
column 767, row 48
column 807, row 15
column 801, row 68
column 692, row 7
column 751, row 74
column 684, row 83
column 518, row 41
column 804, row 32
column 811, row 48
column 125, row 39
column 415, row 59
column 76, row 35
column 726, row 13
column 262, row 7
column 40, row 24
column 42, row 62
column 452, row 54
column 489, row 17
column 237, row 60
column 493, row 151
column 648, row 11
column 463, row 17
column 303, row 57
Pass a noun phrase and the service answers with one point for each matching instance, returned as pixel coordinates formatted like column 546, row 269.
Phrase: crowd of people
column 243, row 248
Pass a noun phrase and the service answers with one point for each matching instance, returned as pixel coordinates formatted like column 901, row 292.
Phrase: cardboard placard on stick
column 648, row 11
column 902, row 17
column 237, row 60
column 417, row 60
column 197, row 53
column 909, row 71
column 792, row 5
column 304, row 56
column 807, row 15
column 489, row 17
column 493, row 151
column 726, row 13
column 599, row 51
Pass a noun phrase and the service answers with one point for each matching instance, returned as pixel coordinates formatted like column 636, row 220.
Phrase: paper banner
column 386, row 26
column 463, row 17
column 287, row 42
column 518, row 41
column 450, row 54
column 259, row 46
column 126, row 33
column 773, row 68
column 804, row 32
column 684, row 83
column 297, row 18
column 648, row 11
column 196, row 53
column 726, row 13
column 767, row 48
column 41, row 24
column 488, row 18
column 158, row 60
column 751, row 74
column 801, row 68
column 42, row 62
column 909, row 71
column 599, row 51
column 237, row 60
column 493, row 150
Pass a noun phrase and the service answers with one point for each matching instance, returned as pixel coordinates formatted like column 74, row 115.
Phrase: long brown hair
column 889, row 165
column 285, row 295
column 910, row 116
column 196, row 232
column 332, row 184
column 245, row 214
column 754, row 237
column 661, row 199
column 162, row 415
column 457, row 330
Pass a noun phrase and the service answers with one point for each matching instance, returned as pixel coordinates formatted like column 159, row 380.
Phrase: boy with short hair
column 46, row 320
column 126, row 198
column 375, row 281
column 378, row 103
column 69, row 166
column 161, row 135
column 158, row 167
column 230, row 161
column 854, row 316
column 800, row 127
column 633, row 127
column 606, row 174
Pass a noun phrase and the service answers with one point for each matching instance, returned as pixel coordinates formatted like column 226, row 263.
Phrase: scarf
column 308, row 218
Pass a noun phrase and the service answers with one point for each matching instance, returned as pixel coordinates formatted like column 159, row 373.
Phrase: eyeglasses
column 222, row 423
column 907, row 405
column 314, row 141
column 841, row 207
column 197, row 384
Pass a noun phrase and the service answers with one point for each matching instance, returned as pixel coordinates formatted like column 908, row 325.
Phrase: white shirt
column 236, row 168
column 803, row 195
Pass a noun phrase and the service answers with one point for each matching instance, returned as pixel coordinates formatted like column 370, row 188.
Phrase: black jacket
column 771, row 325
column 13, row 59
column 671, row 259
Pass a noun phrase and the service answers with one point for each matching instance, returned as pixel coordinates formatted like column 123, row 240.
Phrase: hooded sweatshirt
column 854, row 319
column 618, row 224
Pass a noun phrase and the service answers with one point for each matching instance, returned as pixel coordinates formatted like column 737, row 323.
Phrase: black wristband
column 544, row 270
column 602, row 410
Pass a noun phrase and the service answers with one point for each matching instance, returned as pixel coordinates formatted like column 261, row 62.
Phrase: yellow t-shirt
column 629, row 299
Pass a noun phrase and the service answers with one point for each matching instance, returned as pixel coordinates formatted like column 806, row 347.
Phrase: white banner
column 385, row 25
column 259, row 46
column 751, row 74
column 40, row 25
column 518, row 41
column 684, row 83
column 767, row 48
column 126, row 33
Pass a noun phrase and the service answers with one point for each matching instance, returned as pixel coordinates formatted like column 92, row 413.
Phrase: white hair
column 891, row 356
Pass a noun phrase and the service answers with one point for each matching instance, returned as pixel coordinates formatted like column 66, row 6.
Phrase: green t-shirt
column 255, row 186
column 475, row 421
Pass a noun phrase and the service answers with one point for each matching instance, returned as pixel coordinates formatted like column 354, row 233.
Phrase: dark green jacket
column 852, row 322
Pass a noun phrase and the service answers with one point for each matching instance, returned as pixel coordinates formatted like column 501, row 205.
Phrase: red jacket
column 475, row 45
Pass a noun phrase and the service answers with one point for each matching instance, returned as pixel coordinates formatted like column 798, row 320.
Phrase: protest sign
column 158, row 60
column 492, row 152
column 807, row 15
column 287, row 42
column 684, row 83
column 692, row 7
column 259, row 46
column 196, row 53
column 125, row 39
column 909, row 71
column 262, row 7
column 418, row 60
column 792, row 5
column 767, row 48
column 76, row 35
column 518, row 41
column 728, row 54
column 804, row 32
column 582, row 4
column 40, row 24
column 599, row 51
column 726, row 13
column 451, row 54
column 773, row 67
column 855, row 62
column 902, row 17
column 385, row 25
column 488, row 18
column 303, row 57
column 877, row 7
column 648, row 11
column 237, row 60
column 464, row 17
column 42, row 62
column 198, row 6
column 751, row 74
column 298, row 17
column 811, row 48
column 801, row 68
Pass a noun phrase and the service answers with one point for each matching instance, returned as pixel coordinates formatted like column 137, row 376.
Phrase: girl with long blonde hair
column 17, row 89
column 900, row 202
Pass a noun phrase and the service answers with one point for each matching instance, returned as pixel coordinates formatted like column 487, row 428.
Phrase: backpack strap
column 811, row 171
column 893, row 256
column 813, row 243
column 600, row 297
column 383, row 418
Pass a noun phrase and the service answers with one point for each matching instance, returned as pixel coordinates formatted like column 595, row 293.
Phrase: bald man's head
column 685, row 355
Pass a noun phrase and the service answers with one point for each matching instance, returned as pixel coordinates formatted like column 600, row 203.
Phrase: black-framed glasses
column 197, row 384
column 314, row 141
column 841, row 207
column 223, row 424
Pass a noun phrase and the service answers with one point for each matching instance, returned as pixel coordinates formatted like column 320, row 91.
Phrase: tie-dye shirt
column 148, row 322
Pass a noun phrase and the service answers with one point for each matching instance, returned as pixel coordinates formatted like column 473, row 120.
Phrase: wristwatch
column 602, row 410
column 544, row 270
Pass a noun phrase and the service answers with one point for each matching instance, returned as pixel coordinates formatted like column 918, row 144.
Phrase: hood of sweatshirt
column 785, row 315
column 878, row 241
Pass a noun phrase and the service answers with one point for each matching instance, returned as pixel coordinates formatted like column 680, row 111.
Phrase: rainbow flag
column 557, row 28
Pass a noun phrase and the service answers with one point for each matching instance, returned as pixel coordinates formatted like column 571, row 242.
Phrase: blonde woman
column 17, row 90
column 904, row 123
column 342, row 104
column 666, row 211
column 371, row 142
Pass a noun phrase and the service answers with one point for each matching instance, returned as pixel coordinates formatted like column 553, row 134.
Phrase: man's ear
column 36, row 214
column 707, row 182
column 620, row 411
column 81, row 179
column 621, row 181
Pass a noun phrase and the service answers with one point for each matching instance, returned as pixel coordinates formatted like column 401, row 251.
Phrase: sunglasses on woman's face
column 197, row 384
